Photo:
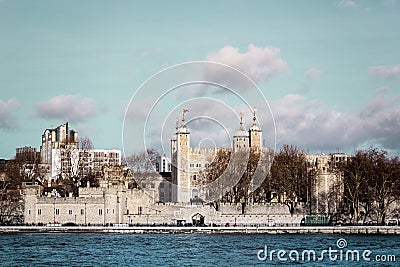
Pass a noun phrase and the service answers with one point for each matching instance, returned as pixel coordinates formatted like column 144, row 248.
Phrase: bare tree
column 384, row 183
column 85, row 143
column 144, row 161
column 329, row 203
column 292, row 177
column 10, row 198
column 211, row 174
column 243, row 185
column 10, row 206
column 354, row 172
column 68, row 168
column 230, row 176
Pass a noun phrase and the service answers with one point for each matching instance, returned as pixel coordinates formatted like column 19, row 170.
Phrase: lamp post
column 54, row 211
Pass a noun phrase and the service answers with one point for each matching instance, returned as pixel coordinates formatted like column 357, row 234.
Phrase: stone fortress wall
column 121, row 200
column 119, row 205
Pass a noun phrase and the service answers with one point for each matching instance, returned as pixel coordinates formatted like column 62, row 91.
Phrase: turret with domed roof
column 241, row 137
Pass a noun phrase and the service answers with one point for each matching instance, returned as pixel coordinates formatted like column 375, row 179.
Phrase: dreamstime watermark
column 338, row 253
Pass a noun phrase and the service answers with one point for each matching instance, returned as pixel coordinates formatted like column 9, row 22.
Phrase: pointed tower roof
column 183, row 128
column 241, row 132
column 254, row 126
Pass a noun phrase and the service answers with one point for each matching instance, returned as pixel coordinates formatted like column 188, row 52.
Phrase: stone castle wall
column 115, row 205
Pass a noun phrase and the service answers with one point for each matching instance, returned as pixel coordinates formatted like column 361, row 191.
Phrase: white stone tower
column 255, row 134
column 180, row 149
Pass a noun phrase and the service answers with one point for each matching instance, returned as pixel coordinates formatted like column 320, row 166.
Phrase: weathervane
column 241, row 120
column 184, row 110
column 254, row 113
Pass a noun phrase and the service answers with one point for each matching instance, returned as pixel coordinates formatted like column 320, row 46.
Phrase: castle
column 130, row 198
column 188, row 162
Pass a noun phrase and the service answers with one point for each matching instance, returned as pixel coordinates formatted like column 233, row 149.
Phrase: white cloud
column 386, row 72
column 259, row 63
column 6, row 119
column 72, row 107
column 348, row 3
column 311, row 124
column 313, row 74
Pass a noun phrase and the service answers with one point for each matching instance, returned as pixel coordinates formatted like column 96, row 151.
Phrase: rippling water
column 184, row 249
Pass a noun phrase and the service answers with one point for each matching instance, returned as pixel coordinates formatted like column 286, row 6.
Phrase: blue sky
column 330, row 70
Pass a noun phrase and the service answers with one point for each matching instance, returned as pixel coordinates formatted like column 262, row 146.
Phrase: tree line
column 365, row 185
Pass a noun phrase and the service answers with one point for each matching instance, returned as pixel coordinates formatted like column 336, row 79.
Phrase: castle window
column 194, row 177
column 82, row 211
column 69, row 212
column 100, row 212
column 39, row 211
column 29, row 212
column 57, row 212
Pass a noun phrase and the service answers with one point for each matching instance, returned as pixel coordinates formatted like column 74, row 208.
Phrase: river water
column 81, row 249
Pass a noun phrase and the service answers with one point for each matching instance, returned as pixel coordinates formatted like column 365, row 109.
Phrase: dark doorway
column 198, row 219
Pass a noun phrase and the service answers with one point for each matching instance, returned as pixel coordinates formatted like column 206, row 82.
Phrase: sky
column 326, row 73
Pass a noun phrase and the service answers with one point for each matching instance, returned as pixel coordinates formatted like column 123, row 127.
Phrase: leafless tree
column 85, row 143
column 329, row 203
column 230, row 176
column 209, row 177
column 355, row 179
column 143, row 162
column 292, row 177
column 371, row 181
column 10, row 197
column 10, row 206
column 384, row 183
